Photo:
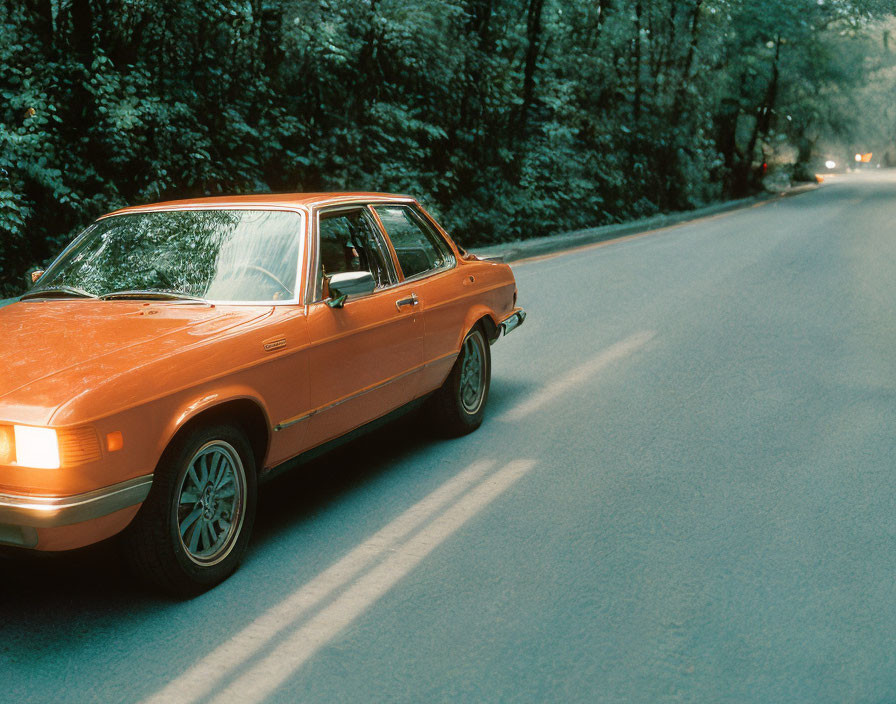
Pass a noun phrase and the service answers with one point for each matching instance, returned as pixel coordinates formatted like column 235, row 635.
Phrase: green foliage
column 510, row 118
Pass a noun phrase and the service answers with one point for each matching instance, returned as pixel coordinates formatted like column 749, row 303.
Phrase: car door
column 365, row 357
column 427, row 262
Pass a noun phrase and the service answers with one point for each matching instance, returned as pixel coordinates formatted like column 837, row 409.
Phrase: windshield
column 218, row 255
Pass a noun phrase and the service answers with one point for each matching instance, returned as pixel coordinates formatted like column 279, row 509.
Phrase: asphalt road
column 682, row 492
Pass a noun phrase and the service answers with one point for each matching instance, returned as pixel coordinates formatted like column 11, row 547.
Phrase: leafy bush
column 510, row 119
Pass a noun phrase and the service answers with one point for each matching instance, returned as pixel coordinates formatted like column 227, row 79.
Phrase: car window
column 349, row 241
column 235, row 255
column 418, row 247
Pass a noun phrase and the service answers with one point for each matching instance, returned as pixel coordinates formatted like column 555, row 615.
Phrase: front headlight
column 36, row 447
column 7, row 445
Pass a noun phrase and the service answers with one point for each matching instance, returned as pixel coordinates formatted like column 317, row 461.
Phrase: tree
column 510, row 118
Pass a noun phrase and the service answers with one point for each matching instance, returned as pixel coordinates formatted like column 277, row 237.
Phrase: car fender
column 207, row 401
column 476, row 313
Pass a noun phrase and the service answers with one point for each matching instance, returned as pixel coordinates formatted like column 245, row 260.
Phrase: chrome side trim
column 293, row 421
column 298, row 419
column 54, row 511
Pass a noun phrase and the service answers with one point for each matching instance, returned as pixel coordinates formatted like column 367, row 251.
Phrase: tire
column 458, row 407
column 193, row 529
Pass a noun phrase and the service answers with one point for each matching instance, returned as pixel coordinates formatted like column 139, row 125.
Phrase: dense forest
column 508, row 118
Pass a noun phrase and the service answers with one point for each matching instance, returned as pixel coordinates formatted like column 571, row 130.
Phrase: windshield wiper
column 152, row 295
column 58, row 292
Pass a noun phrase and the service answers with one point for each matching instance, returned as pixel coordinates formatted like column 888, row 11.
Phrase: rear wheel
column 458, row 407
column 194, row 527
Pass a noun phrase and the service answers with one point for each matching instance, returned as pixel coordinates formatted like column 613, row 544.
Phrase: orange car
column 175, row 353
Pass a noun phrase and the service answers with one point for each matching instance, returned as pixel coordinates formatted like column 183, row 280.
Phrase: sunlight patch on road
column 298, row 638
column 265, row 676
column 577, row 376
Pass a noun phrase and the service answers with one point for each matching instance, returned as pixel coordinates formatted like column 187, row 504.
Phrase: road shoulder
column 552, row 244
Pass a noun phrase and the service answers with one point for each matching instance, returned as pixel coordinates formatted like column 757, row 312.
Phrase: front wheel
column 458, row 407
column 193, row 529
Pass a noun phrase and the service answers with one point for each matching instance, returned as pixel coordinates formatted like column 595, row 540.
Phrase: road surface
column 683, row 491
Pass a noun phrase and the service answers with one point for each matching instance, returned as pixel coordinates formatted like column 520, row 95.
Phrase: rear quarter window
column 419, row 248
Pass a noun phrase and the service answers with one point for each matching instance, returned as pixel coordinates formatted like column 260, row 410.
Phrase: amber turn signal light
column 114, row 441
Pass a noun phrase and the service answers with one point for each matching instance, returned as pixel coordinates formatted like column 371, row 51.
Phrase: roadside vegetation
column 509, row 118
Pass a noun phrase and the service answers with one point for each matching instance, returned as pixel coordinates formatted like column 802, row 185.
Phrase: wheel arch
column 244, row 411
column 490, row 327
column 479, row 315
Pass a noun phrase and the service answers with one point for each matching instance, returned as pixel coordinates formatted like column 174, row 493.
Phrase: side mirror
column 349, row 283
column 35, row 275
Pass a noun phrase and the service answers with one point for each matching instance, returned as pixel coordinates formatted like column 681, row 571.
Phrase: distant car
column 175, row 353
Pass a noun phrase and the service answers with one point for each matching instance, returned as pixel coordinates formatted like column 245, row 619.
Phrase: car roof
column 303, row 200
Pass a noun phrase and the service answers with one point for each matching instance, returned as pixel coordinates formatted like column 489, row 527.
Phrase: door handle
column 411, row 301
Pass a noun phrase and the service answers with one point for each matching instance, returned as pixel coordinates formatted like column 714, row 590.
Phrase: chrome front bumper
column 20, row 515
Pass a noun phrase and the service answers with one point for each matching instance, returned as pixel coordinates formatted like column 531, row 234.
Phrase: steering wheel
column 261, row 270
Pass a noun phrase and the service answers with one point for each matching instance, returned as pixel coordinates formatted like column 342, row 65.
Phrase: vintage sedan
column 174, row 354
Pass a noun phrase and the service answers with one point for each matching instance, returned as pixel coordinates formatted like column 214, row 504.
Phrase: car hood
column 51, row 351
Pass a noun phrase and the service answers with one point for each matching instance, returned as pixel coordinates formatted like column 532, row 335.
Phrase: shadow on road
column 505, row 393
column 96, row 575
column 298, row 494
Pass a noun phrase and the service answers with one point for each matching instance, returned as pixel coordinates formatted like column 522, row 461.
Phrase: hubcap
column 472, row 375
column 211, row 503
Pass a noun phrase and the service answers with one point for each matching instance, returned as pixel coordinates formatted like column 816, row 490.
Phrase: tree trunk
column 82, row 30
column 533, row 36
column 636, row 69
column 689, row 61
column 745, row 177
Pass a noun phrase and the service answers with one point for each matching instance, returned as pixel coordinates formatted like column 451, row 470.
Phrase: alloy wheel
column 211, row 503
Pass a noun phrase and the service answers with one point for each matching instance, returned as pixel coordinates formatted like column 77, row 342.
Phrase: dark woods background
column 509, row 118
